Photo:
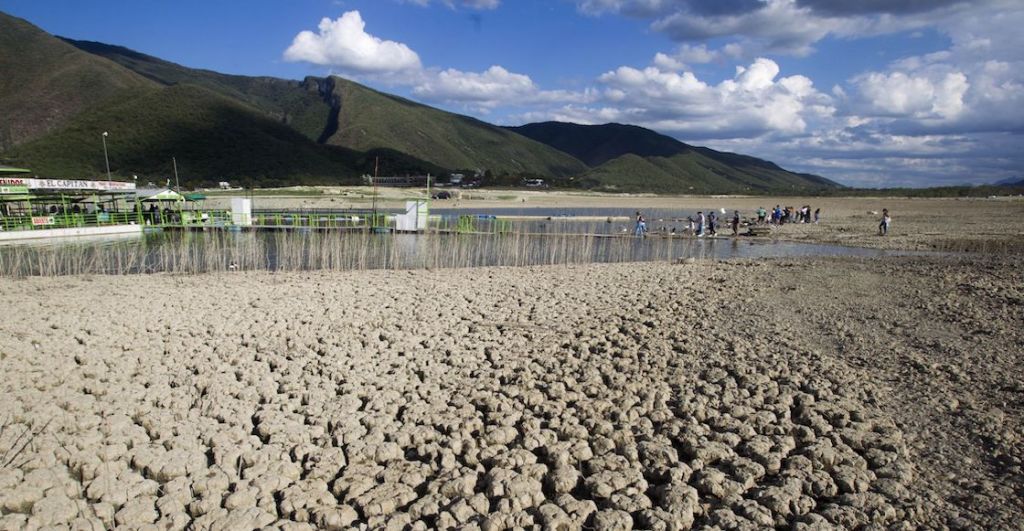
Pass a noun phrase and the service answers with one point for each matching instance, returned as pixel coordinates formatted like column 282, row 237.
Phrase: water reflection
column 197, row 252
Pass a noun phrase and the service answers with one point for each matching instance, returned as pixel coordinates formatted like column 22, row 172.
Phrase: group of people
column 701, row 224
column 780, row 216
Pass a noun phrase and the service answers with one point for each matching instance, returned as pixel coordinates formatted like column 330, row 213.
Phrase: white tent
column 165, row 195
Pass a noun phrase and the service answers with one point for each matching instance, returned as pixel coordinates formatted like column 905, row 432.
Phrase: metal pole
column 376, row 165
column 105, row 157
column 176, row 186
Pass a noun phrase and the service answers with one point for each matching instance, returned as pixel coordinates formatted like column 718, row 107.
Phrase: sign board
column 65, row 184
column 20, row 190
column 42, row 220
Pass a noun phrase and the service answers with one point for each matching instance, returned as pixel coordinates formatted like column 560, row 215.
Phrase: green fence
column 222, row 218
column 471, row 225
column 68, row 220
column 313, row 220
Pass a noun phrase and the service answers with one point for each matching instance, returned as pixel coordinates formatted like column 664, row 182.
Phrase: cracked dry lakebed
column 823, row 393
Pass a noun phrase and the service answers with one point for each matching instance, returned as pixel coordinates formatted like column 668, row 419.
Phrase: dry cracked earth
column 820, row 394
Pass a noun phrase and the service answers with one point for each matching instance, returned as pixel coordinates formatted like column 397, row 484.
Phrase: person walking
column 817, row 215
column 641, row 225
column 761, row 214
column 700, row 224
column 736, row 223
column 712, row 221
column 883, row 225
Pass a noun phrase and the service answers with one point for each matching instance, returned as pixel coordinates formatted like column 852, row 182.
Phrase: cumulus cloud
column 973, row 86
column 688, row 54
column 754, row 102
column 344, row 43
column 486, row 90
column 919, row 97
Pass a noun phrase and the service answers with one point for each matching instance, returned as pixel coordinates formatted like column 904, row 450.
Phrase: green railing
column 68, row 220
column 314, row 220
column 471, row 224
column 188, row 218
column 222, row 218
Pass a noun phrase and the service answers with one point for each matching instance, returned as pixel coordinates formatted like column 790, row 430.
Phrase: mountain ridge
column 662, row 162
column 338, row 126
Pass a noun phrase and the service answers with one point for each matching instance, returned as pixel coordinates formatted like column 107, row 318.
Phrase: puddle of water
column 196, row 252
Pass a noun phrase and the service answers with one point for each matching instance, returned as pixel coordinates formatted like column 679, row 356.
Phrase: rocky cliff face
column 324, row 86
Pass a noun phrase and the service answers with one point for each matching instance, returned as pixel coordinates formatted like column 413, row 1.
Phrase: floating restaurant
column 52, row 208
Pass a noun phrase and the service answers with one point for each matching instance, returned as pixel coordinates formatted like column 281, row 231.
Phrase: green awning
column 194, row 197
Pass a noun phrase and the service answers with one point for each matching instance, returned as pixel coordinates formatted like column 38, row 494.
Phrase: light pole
column 105, row 158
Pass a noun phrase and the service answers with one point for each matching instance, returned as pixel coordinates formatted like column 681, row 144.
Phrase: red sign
column 42, row 220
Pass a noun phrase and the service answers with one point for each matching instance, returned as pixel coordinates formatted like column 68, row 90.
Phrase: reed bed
column 206, row 252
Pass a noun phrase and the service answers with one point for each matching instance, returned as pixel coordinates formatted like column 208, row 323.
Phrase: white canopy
column 165, row 195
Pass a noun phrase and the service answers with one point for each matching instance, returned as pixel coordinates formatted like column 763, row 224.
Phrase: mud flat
column 808, row 394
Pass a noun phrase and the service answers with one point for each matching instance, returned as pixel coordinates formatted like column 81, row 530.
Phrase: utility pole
column 176, row 186
column 376, row 166
column 105, row 157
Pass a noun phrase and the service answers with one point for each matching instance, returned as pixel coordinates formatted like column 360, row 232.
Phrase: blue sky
column 868, row 93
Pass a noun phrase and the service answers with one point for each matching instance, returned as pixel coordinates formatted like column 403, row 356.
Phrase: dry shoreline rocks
column 608, row 397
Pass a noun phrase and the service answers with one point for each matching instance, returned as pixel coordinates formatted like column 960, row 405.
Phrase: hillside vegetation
column 370, row 119
column 340, row 112
column 597, row 144
column 296, row 104
column 213, row 138
column 44, row 82
column 628, row 158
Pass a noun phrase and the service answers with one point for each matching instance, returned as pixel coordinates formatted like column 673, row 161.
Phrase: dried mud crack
column 806, row 394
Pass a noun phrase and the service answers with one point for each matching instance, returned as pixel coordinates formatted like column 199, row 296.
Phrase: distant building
column 224, row 185
column 456, row 178
column 400, row 181
column 534, row 183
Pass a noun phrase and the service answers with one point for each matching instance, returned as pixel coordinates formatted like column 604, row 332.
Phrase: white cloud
column 919, row 97
column 471, row 4
column 976, row 85
column 754, row 102
column 778, row 25
column 344, row 43
column 791, row 26
column 688, row 54
column 486, row 90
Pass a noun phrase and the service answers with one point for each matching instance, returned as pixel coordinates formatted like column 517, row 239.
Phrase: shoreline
column 945, row 224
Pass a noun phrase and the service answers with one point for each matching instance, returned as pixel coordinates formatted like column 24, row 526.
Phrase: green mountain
column 61, row 95
column 213, row 138
column 58, row 95
column 370, row 119
column 44, row 82
column 597, row 144
column 631, row 159
column 340, row 112
column 293, row 103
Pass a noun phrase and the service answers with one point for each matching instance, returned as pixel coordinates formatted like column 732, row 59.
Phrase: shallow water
column 195, row 252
